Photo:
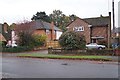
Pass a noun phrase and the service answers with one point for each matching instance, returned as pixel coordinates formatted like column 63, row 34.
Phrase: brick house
column 39, row 27
column 5, row 33
column 96, row 30
column 80, row 26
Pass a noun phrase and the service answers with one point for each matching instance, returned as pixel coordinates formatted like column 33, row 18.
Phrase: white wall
column 58, row 34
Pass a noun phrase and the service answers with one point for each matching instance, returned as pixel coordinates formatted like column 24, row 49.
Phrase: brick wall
column 78, row 22
column 49, row 34
column 100, row 31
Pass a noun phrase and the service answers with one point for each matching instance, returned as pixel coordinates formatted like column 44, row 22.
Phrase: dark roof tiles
column 34, row 25
column 98, row 21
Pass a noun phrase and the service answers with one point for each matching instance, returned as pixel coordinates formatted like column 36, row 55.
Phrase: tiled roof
column 98, row 21
column 7, row 36
column 33, row 25
column 2, row 38
column 39, row 24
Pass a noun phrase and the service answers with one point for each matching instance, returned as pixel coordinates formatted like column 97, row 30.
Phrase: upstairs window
column 80, row 28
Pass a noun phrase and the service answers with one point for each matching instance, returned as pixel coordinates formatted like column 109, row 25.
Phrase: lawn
column 53, row 56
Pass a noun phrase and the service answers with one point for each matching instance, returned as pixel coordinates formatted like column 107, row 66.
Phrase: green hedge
column 81, row 52
column 99, row 52
column 16, row 49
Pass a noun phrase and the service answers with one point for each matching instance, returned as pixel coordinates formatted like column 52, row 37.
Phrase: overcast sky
column 13, row 11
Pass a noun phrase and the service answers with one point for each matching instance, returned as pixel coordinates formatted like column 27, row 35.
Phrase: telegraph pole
column 113, row 10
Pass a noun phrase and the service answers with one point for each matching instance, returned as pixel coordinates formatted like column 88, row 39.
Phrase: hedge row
column 16, row 49
column 81, row 52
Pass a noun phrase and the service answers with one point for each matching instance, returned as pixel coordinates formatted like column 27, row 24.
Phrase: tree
column 72, row 40
column 25, row 39
column 61, row 20
column 72, row 17
column 12, row 26
column 41, row 16
column 56, row 17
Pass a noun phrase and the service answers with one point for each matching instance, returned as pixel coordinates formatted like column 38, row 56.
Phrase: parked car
column 95, row 46
column 115, row 45
column 12, row 45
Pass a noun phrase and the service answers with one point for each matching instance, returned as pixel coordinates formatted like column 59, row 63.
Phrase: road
column 14, row 67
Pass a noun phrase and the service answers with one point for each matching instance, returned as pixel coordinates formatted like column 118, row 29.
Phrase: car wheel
column 86, row 47
column 100, row 48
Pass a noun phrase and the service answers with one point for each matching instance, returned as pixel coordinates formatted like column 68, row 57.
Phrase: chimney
column 101, row 15
column 52, row 28
column 5, row 27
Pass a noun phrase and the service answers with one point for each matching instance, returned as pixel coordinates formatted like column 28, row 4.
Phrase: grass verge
column 51, row 56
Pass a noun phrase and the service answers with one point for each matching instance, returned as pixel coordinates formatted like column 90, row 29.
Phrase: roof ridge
column 96, row 17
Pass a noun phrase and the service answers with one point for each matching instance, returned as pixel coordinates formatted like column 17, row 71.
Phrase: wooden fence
column 52, row 44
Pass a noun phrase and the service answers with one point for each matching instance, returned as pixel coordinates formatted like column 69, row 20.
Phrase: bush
column 27, row 39
column 17, row 49
column 39, row 40
column 72, row 40
column 3, row 43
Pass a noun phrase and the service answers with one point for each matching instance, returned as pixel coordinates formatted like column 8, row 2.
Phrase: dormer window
column 80, row 28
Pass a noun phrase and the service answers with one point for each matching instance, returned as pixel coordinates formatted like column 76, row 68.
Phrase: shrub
column 17, row 49
column 27, row 39
column 3, row 43
column 72, row 40
column 39, row 40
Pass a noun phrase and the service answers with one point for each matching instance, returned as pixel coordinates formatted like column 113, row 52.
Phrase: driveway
column 13, row 67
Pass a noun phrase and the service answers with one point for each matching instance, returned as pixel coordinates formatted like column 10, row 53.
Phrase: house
column 5, row 32
column 95, row 30
column 116, row 36
column 6, row 35
column 40, row 27
column 2, row 38
column 116, row 32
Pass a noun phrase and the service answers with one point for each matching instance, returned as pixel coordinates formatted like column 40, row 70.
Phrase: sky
column 16, row 11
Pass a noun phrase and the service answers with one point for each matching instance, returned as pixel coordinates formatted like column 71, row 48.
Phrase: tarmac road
column 13, row 67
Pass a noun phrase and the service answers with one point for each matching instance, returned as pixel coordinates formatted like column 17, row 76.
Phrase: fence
column 53, row 44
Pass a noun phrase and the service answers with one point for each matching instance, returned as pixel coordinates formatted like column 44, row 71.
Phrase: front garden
column 72, row 47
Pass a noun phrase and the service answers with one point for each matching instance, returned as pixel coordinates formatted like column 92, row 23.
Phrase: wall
column 58, row 34
column 79, row 22
column 101, row 31
column 49, row 34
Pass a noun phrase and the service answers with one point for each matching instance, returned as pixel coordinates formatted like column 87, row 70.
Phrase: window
column 80, row 28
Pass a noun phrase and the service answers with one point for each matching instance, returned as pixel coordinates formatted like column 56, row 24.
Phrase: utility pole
column 113, row 16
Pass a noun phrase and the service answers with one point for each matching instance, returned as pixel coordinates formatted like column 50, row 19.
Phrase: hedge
column 81, row 52
column 16, row 49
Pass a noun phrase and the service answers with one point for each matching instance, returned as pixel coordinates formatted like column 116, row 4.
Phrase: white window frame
column 80, row 28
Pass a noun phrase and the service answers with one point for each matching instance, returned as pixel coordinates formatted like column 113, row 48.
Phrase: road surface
column 14, row 67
